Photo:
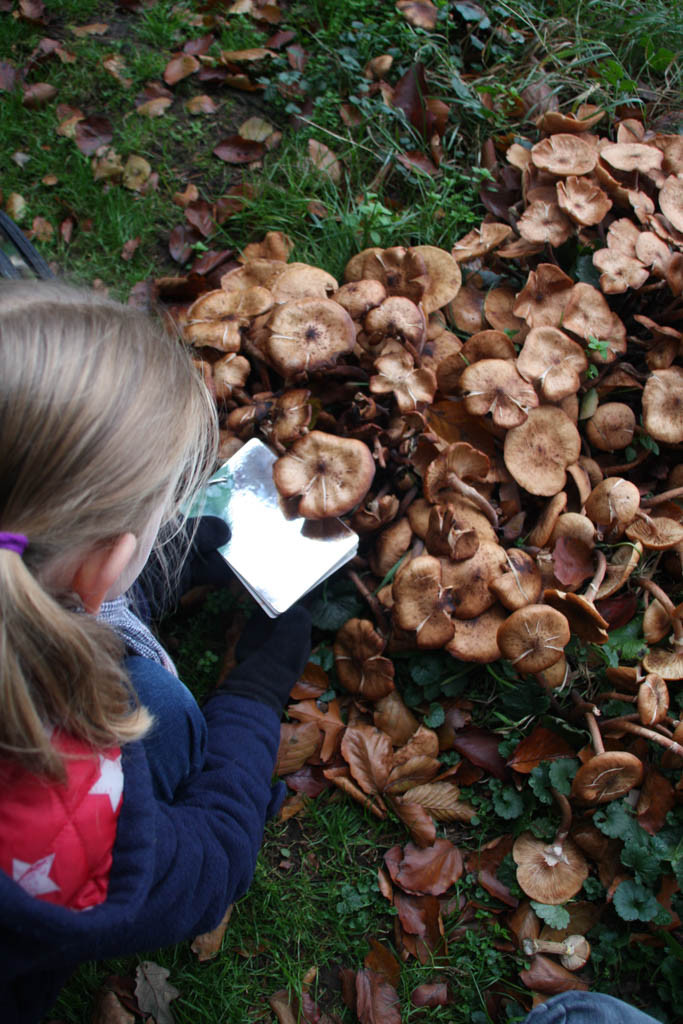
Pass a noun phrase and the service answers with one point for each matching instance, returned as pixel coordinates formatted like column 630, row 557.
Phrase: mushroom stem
column 648, row 734
column 375, row 606
column 565, row 820
column 666, row 603
column 658, row 499
column 531, row 946
column 625, row 466
column 406, row 501
column 473, row 494
column 596, row 582
column 596, row 737
column 629, row 698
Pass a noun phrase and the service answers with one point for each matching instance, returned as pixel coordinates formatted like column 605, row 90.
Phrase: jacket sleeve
column 198, row 854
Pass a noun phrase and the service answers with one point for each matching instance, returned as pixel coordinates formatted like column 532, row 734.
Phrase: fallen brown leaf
column 95, row 28
column 129, row 247
column 38, row 95
column 368, row 753
column 432, row 870
column 298, row 741
column 431, row 993
column 324, row 159
column 540, row 745
column 156, row 107
column 93, row 132
column 240, row 56
column 41, row 229
column 202, row 104
column 116, row 66
column 154, row 992
column 181, row 66
column 377, row 1001
column 419, row 823
column 236, row 150
column 328, row 720
column 183, row 199
column 110, row 1010
column 292, row 806
column 420, row 13
column 382, row 961
column 208, row 945
column 256, row 129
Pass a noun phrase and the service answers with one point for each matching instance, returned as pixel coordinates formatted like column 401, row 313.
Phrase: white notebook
column 277, row 555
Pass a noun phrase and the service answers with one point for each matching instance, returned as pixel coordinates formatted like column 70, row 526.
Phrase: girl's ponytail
column 41, row 639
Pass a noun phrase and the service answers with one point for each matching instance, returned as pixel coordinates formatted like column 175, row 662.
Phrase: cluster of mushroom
column 498, row 432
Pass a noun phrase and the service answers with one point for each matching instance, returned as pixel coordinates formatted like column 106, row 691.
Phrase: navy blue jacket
column 176, row 866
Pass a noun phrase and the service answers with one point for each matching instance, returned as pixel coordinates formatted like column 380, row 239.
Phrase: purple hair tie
column 14, row 542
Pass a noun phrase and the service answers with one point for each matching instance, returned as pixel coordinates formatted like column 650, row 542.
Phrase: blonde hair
column 101, row 416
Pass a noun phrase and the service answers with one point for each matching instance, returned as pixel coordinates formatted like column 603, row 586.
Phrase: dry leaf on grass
column 324, row 159
column 208, row 945
column 154, row 992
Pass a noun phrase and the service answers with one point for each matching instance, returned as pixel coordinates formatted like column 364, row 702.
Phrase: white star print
column 34, row 878
column 110, row 782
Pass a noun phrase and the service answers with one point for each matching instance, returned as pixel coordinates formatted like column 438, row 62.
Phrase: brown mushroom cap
column 444, row 277
column 606, row 777
column 631, row 156
column 480, row 241
column 546, row 872
column 538, row 452
column 231, row 371
column 469, row 581
column 658, row 534
column 619, row 271
column 543, row 298
column 359, row 662
column 475, row 639
column 256, row 272
column 583, row 200
column 402, row 271
column 396, row 317
column 653, row 700
column 544, row 221
column 359, row 297
column 446, row 537
column 290, row 415
column 332, row 474
column 392, row 544
column 398, row 374
column 619, row 568
column 663, row 405
column 671, row 200
column 587, row 313
column 585, row 621
column 302, row 281
column 613, row 504
column 534, row 637
column 611, row 427
column 550, row 357
column 422, row 602
column 308, row 334
column 564, row 155
column 521, row 583
column 494, row 386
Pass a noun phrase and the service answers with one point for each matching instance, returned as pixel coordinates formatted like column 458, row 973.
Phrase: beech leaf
column 93, row 132
column 420, row 13
column 324, row 159
column 377, row 1001
column 541, row 745
column 181, row 66
column 236, row 150
column 202, row 104
column 368, row 753
column 432, row 870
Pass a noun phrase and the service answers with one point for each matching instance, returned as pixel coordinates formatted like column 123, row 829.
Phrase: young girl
column 129, row 819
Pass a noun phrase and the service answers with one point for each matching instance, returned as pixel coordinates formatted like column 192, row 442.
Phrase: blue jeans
column 176, row 744
column 586, row 1008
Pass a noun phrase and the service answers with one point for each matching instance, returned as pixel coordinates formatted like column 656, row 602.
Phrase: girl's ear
column 100, row 569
